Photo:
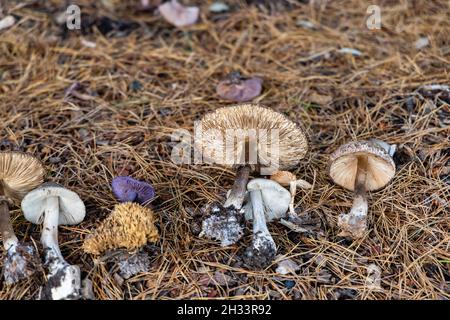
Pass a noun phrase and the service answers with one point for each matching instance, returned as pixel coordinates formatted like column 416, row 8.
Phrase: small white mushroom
column 53, row 205
column 268, row 200
column 286, row 178
column 360, row 166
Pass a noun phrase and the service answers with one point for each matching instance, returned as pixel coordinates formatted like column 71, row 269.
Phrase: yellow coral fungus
column 129, row 226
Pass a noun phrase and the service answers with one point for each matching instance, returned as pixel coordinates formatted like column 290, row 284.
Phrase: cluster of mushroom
column 21, row 177
column 358, row 166
column 130, row 225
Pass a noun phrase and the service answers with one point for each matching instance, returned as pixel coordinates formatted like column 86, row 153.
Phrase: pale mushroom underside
column 379, row 172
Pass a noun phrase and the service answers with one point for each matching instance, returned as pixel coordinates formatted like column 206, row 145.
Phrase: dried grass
column 114, row 130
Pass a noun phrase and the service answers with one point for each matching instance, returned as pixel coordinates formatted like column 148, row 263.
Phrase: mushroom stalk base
column 21, row 260
column 63, row 279
column 237, row 194
column 8, row 235
column 354, row 224
column 263, row 249
column 224, row 224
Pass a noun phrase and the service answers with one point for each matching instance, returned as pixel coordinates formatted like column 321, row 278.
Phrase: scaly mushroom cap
column 255, row 124
column 19, row 173
column 129, row 226
column 343, row 165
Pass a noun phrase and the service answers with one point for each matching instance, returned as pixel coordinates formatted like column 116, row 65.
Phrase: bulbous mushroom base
column 21, row 262
column 354, row 223
column 63, row 284
column 262, row 252
column 224, row 224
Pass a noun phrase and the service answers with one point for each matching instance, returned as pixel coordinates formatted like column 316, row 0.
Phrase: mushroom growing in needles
column 53, row 205
column 260, row 138
column 268, row 201
column 19, row 173
column 360, row 166
column 127, row 189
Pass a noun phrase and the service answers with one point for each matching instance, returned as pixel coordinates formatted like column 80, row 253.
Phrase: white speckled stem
column 9, row 237
column 68, row 276
column 49, row 237
column 360, row 207
column 259, row 218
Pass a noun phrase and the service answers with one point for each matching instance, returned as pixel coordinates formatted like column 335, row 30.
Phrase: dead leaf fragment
column 179, row 15
column 287, row 266
column 239, row 89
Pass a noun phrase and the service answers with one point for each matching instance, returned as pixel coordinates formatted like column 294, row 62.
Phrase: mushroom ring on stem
column 53, row 205
column 360, row 166
column 248, row 138
column 268, row 201
column 19, row 173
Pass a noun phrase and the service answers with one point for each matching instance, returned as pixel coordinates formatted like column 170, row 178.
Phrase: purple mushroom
column 127, row 189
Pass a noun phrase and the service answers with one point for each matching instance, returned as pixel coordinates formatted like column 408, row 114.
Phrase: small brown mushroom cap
column 129, row 226
column 252, row 120
column 19, row 173
column 343, row 165
column 283, row 177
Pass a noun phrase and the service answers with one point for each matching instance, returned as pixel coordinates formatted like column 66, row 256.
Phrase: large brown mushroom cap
column 293, row 144
column 19, row 174
column 343, row 165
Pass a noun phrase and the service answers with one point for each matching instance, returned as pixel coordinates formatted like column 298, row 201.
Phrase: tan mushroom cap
column 19, row 173
column 343, row 165
column 253, row 121
column 283, row 177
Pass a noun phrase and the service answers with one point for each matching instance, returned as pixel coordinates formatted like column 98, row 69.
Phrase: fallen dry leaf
column 177, row 14
column 236, row 88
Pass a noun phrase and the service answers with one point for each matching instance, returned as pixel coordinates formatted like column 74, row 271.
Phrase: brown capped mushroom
column 248, row 138
column 360, row 166
column 19, row 173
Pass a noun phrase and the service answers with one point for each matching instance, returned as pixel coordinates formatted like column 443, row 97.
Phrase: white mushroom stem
column 49, row 237
column 260, row 231
column 237, row 194
column 293, row 189
column 354, row 224
column 9, row 237
column 64, row 279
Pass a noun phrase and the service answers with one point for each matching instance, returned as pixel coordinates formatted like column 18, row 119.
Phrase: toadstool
column 359, row 166
column 19, row 173
column 53, row 205
column 268, row 201
column 127, row 189
column 129, row 226
column 250, row 126
column 286, row 178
